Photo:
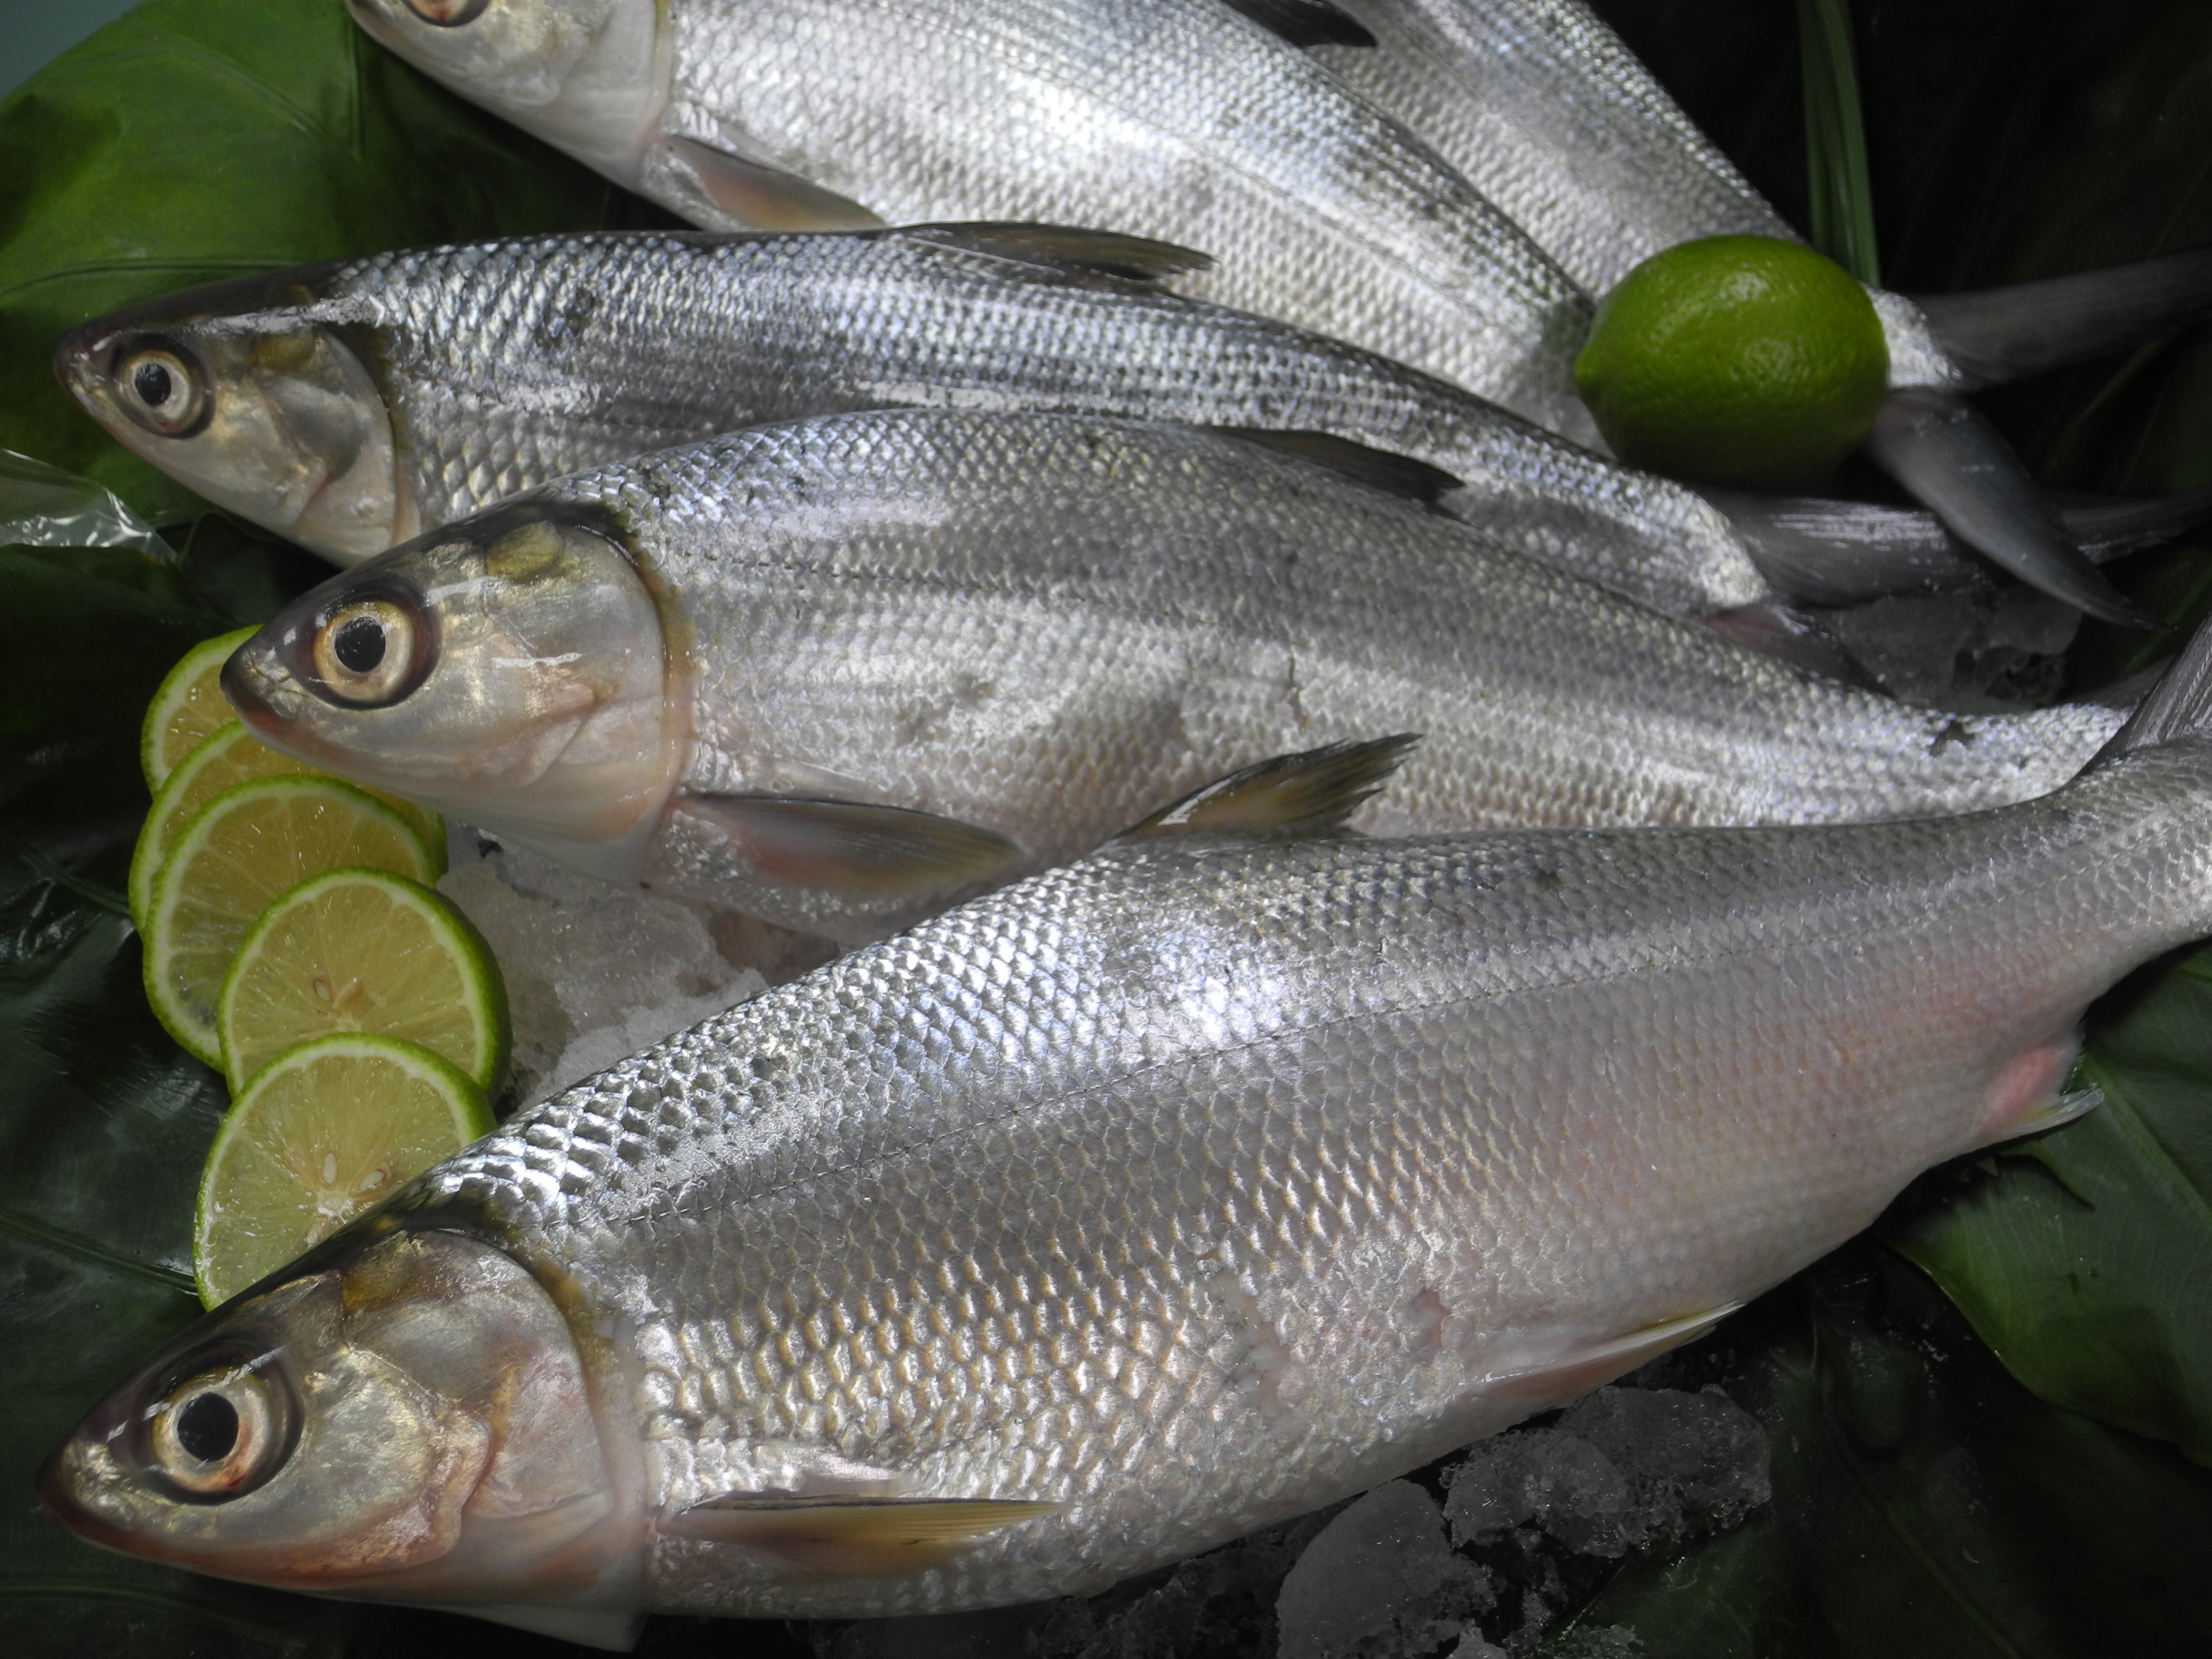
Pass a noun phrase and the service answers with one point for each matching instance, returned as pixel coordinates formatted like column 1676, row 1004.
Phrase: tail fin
column 2003, row 334
column 1834, row 552
column 1310, row 793
column 2179, row 707
column 1958, row 466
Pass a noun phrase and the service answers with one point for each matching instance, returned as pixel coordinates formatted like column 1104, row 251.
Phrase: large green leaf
column 2085, row 1258
column 1925, row 1504
column 189, row 142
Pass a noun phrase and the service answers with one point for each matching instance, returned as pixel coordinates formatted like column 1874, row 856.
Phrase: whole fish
column 354, row 405
column 1179, row 120
column 837, row 671
column 1148, row 1202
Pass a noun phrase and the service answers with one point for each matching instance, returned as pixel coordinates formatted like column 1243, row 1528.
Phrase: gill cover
column 404, row 1417
column 510, row 671
column 246, row 392
column 589, row 76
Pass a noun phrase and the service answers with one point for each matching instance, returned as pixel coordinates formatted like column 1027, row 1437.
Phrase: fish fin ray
column 768, row 198
column 856, row 849
column 1379, row 469
column 1310, row 793
column 1064, row 250
column 846, row 1537
column 1958, row 467
column 2003, row 334
column 1577, row 1373
column 1793, row 637
column 1306, row 22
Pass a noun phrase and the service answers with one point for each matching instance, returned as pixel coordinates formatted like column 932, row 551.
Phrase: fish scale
column 1133, row 1188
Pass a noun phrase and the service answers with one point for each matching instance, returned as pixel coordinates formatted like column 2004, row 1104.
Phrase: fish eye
column 162, row 390
column 219, row 1433
column 448, row 13
column 370, row 650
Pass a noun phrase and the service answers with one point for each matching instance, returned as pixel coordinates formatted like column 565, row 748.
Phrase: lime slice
column 364, row 950
column 189, row 705
column 252, row 842
column 324, row 1131
column 230, row 754
column 1740, row 360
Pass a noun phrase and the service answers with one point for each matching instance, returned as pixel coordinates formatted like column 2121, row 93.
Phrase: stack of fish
column 1240, row 1163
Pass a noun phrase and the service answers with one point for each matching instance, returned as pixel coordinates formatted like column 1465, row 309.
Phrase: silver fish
column 1178, row 119
column 837, row 671
column 488, row 368
column 1150, row 1202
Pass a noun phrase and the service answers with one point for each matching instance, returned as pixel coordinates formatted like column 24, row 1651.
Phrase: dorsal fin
column 1379, row 469
column 1306, row 22
column 1064, row 250
column 1310, row 793
column 2179, row 708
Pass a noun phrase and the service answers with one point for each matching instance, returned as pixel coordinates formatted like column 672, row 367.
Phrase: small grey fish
column 1152, row 1200
column 839, row 671
column 1178, row 119
column 353, row 405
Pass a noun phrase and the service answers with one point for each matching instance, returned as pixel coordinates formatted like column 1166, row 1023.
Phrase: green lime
column 364, row 950
column 1742, row 361
column 323, row 1132
column 230, row 754
column 188, row 705
column 252, row 842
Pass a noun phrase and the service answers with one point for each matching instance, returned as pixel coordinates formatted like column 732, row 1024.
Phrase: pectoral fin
column 767, row 197
column 1379, row 469
column 856, row 850
column 587, row 1627
column 1307, row 794
column 853, row 1537
column 1306, row 22
column 1577, row 1373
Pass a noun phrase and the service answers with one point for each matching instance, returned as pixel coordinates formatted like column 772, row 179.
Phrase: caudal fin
column 1958, row 466
column 2003, row 334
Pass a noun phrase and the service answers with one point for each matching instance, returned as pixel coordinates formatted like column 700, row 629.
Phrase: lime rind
column 240, row 1226
column 177, row 719
column 174, row 1005
column 483, row 990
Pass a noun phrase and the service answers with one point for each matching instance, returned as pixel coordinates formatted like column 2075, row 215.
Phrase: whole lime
column 1743, row 360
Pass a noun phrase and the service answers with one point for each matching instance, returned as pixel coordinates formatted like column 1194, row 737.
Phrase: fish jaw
column 408, row 1418
column 513, row 672
column 250, row 393
column 588, row 76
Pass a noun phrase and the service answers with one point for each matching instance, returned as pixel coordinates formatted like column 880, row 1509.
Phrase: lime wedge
column 364, row 950
column 189, row 705
column 252, row 842
column 230, row 754
column 323, row 1132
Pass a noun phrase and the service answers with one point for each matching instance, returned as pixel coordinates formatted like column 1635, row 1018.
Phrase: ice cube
column 1379, row 1582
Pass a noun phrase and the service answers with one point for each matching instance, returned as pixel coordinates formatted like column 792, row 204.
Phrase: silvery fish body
column 497, row 366
column 1178, row 119
column 1042, row 626
column 1548, row 114
column 1154, row 1200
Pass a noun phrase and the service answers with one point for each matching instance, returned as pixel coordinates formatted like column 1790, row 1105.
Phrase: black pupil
column 359, row 644
column 152, row 383
column 207, row 1427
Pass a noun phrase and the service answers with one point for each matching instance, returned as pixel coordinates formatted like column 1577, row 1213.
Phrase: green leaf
column 1841, row 195
column 2085, row 1258
column 1925, row 1504
column 190, row 142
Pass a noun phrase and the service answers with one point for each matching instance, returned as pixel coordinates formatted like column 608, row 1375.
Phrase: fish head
column 590, row 75
column 511, row 671
column 243, row 392
column 403, row 1417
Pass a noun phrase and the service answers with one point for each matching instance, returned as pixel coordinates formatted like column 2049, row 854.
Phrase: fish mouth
column 266, row 697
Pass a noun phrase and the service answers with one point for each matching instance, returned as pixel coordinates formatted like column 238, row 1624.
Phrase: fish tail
column 2177, row 709
column 2003, row 334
